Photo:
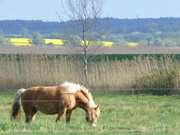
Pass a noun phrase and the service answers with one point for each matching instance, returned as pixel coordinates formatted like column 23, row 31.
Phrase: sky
column 47, row 10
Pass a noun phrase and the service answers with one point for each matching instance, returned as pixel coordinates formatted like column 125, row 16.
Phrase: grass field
column 121, row 114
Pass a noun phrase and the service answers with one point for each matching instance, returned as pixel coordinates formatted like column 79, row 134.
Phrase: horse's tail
column 16, row 106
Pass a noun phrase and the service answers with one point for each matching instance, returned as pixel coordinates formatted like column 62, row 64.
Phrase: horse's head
column 85, row 101
column 93, row 115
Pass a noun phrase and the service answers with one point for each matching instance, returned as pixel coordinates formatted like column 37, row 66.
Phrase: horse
column 61, row 100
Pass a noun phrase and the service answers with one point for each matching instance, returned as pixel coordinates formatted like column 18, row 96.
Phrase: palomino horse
column 60, row 100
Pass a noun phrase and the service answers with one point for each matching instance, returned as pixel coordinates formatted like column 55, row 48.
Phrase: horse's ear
column 96, row 107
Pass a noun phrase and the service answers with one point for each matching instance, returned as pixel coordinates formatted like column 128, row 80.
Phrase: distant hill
column 110, row 25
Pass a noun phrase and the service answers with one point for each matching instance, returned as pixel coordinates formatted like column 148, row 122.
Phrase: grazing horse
column 60, row 100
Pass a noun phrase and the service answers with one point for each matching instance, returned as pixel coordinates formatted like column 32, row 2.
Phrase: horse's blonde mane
column 73, row 88
column 89, row 96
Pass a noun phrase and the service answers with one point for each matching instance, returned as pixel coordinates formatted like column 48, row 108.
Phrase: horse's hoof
column 94, row 125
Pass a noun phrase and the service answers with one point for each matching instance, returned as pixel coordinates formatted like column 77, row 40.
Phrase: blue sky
column 46, row 9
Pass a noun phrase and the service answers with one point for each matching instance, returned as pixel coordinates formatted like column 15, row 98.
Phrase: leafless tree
column 86, row 13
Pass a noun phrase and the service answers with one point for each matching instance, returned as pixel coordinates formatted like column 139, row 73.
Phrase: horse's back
column 47, row 99
column 42, row 98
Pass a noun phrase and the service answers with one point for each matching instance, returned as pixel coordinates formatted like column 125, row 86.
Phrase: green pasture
column 121, row 114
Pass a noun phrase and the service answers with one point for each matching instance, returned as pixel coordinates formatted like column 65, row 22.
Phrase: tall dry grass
column 28, row 70
column 141, row 73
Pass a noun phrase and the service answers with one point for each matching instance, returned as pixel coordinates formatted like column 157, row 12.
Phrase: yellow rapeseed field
column 132, row 44
column 20, row 41
column 56, row 42
column 99, row 43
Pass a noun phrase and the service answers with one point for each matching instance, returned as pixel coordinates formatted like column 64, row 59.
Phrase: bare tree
column 86, row 13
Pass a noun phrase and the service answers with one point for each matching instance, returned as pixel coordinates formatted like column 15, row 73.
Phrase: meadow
column 121, row 114
column 135, row 93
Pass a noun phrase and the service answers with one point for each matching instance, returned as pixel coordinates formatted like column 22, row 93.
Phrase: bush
column 160, row 81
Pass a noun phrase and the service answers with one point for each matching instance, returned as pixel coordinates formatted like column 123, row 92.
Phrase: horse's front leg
column 61, row 113
column 68, row 116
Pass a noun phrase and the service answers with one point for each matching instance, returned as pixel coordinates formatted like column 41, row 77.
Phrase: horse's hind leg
column 68, row 116
column 61, row 113
column 30, row 114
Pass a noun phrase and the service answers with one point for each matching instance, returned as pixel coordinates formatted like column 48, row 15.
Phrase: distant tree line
column 114, row 26
column 147, row 32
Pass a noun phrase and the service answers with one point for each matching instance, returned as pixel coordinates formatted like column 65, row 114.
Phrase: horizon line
column 133, row 18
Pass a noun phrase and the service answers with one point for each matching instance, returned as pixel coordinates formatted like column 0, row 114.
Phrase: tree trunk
column 85, row 66
column 85, row 55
